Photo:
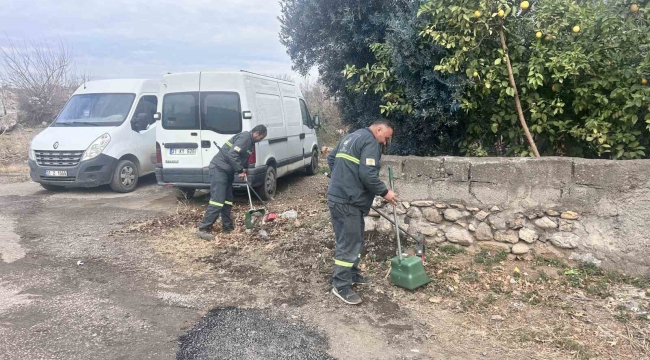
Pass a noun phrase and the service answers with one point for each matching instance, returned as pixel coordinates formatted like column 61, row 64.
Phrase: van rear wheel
column 267, row 190
column 125, row 177
column 312, row 169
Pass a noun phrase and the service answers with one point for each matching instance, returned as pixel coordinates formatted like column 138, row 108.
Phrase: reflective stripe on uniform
column 216, row 203
column 228, row 203
column 348, row 157
column 249, row 152
column 343, row 263
column 228, row 143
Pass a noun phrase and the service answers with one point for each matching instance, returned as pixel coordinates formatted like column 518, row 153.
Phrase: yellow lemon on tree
column 634, row 8
column 524, row 5
column 538, row 35
column 576, row 29
column 477, row 14
column 644, row 81
column 475, row 74
column 548, row 38
column 501, row 13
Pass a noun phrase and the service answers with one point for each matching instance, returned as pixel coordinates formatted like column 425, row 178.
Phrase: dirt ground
column 481, row 305
column 91, row 274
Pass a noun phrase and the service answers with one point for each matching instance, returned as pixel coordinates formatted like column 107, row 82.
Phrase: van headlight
column 32, row 154
column 97, row 147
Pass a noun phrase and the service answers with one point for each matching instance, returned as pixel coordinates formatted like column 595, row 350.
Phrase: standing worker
column 354, row 165
column 231, row 159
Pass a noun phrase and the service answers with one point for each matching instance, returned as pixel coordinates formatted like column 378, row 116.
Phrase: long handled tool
column 252, row 212
column 270, row 216
column 420, row 241
column 405, row 272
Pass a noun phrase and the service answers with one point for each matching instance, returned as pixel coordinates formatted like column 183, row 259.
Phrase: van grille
column 58, row 158
column 59, row 178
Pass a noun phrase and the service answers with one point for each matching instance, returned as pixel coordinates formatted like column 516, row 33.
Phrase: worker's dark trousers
column 220, row 200
column 348, row 227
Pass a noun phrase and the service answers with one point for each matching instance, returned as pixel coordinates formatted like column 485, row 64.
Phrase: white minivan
column 201, row 110
column 105, row 134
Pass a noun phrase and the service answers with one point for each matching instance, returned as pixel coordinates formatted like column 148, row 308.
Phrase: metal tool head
column 420, row 246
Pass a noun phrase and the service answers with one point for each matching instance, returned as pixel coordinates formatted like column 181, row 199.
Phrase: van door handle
column 193, row 134
column 302, row 136
column 205, row 144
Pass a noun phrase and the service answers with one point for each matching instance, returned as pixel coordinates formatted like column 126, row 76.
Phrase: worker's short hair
column 260, row 129
column 381, row 121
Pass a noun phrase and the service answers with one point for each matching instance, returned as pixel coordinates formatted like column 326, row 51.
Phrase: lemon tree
column 549, row 77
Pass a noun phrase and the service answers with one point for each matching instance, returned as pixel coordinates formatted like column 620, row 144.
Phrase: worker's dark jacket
column 234, row 154
column 354, row 165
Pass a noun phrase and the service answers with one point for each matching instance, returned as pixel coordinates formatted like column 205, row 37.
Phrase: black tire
column 183, row 194
column 312, row 169
column 53, row 187
column 267, row 190
column 125, row 177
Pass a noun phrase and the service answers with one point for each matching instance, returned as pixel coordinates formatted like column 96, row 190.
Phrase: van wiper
column 85, row 123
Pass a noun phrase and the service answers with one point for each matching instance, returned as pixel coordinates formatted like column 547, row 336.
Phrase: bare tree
column 42, row 76
column 4, row 97
column 320, row 103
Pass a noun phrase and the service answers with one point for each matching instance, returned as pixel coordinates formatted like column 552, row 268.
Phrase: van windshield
column 95, row 110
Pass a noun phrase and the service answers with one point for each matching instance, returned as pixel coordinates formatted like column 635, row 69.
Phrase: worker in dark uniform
column 354, row 166
column 231, row 159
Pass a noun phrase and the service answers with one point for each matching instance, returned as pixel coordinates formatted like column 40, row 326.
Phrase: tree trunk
column 522, row 119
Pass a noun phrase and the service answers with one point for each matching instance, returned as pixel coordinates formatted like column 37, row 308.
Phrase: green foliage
column 451, row 250
column 489, row 258
column 581, row 88
column 578, row 66
column 335, row 34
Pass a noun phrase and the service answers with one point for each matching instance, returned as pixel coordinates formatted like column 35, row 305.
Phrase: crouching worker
column 354, row 165
column 231, row 159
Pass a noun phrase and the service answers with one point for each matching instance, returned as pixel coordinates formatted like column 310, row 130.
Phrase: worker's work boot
column 205, row 235
column 347, row 295
column 228, row 229
column 360, row 279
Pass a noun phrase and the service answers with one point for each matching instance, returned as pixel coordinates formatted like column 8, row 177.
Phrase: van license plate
column 56, row 173
column 182, row 151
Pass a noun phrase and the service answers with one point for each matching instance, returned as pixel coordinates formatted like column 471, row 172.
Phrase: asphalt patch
column 233, row 333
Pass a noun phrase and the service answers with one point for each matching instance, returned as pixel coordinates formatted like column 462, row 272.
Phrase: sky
column 148, row 38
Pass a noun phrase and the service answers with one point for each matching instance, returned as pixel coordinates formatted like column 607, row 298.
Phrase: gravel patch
column 232, row 333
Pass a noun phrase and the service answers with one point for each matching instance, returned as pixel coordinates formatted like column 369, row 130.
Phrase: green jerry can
column 408, row 272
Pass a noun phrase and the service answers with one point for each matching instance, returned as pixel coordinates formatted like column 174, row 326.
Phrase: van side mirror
column 316, row 121
column 157, row 116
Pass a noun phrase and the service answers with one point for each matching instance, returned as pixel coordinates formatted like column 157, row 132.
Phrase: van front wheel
column 267, row 191
column 125, row 177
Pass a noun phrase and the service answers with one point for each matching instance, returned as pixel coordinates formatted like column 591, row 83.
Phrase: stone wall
column 584, row 210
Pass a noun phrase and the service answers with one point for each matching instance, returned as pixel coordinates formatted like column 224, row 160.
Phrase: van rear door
column 221, row 113
column 179, row 135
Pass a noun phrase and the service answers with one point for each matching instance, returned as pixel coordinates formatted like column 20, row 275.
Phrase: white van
column 199, row 110
column 105, row 134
